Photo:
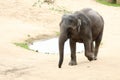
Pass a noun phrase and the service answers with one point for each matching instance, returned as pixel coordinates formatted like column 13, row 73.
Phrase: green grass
column 57, row 33
column 60, row 9
column 38, row 3
column 107, row 3
column 23, row 45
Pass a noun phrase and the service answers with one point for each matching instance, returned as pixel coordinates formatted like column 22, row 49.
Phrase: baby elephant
column 85, row 26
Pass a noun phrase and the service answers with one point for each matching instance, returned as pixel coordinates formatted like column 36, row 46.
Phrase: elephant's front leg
column 88, row 50
column 73, row 52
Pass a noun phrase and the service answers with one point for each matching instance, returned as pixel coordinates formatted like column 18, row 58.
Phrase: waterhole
column 51, row 46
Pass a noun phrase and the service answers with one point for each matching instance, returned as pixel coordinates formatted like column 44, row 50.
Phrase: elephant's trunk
column 62, row 39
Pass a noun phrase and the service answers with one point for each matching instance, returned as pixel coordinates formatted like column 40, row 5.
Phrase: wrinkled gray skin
column 85, row 26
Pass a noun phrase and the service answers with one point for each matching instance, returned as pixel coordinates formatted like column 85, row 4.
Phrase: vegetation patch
column 39, row 3
column 57, row 33
column 60, row 9
column 107, row 3
column 51, row 7
column 23, row 45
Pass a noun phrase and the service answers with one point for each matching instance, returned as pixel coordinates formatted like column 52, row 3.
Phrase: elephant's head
column 68, row 24
column 70, row 21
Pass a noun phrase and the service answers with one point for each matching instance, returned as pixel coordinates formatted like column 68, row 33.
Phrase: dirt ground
column 19, row 20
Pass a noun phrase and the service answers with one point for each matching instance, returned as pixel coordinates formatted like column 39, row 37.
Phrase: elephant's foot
column 90, row 57
column 71, row 63
column 95, row 58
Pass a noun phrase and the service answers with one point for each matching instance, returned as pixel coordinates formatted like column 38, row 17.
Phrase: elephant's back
column 90, row 16
column 96, row 21
column 93, row 16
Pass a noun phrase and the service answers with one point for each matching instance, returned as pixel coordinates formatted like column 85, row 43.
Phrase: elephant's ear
column 79, row 24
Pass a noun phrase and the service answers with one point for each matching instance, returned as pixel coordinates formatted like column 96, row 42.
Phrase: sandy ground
column 18, row 19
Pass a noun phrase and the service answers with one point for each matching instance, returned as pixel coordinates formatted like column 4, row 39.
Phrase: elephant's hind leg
column 97, row 44
column 88, row 50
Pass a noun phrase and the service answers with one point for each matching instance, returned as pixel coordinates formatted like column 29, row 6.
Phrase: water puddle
column 51, row 46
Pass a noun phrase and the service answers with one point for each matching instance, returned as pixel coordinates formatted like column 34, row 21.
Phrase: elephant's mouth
column 74, row 28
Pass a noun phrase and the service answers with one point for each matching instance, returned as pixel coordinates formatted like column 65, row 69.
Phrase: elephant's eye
column 70, row 21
